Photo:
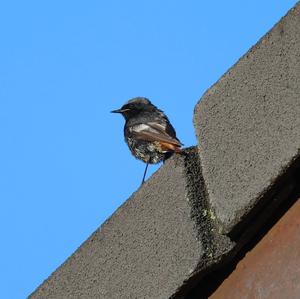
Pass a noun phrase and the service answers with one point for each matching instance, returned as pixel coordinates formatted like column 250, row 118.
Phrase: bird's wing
column 154, row 132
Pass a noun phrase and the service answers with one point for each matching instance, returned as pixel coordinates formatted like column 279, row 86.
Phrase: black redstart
column 148, row 132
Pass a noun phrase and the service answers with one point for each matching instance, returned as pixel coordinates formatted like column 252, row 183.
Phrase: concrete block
column 248, row 123
column 151, row 246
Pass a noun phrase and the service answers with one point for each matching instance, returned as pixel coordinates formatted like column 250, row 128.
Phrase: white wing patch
column 139, row 128
column 151, row 127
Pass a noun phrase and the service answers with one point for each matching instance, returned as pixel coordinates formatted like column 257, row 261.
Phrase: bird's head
column 134, row 107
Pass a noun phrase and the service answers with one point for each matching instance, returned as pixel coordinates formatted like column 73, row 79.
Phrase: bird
column 148, row 132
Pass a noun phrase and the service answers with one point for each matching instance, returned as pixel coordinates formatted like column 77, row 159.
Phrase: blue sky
column 64, row 167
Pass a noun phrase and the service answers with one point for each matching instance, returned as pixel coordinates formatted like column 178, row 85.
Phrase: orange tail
column 169, row 146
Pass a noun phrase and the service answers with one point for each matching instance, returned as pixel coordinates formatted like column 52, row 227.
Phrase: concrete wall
column 192, row 216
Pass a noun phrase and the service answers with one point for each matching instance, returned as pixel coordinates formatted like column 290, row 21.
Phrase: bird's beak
column 116, row 111
column 119, row 110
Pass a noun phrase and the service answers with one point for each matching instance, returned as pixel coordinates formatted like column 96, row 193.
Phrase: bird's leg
column 145, row 173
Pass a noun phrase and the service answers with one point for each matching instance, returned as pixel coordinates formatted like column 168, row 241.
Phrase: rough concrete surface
column 248, row 123
column 149, row 247
column 271, row 269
